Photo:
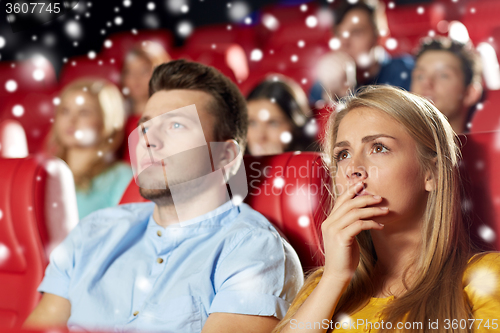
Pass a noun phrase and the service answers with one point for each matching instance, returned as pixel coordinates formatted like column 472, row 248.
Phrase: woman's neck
column 396, row 250
column 139, row 106
column 80, row 160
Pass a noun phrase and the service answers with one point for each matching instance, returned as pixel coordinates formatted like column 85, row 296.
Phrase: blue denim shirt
column 122, row 271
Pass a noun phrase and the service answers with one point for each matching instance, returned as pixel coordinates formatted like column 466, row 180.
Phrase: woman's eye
column 274, row 123
column 342, row 155
column 379, row 148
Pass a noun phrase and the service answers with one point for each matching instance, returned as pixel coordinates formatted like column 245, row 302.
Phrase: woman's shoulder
column 482, row 284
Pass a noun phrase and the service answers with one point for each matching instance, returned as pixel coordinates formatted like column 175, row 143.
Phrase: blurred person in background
column 449, row 74
column 336, row 73
column 138, row 67
column 358, row 28
column 279, row 115
column 87, row 132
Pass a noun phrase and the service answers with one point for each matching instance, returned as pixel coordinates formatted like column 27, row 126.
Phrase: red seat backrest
column 288, row 189
column 480, row 18
column 30, row 203
column 36, row 117
column 481, row 162
column 13, row 143
column 487, row 115
column 99, row 67
column 33, row 75
column 229, row 59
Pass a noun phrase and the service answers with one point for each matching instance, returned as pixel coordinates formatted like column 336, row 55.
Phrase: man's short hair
column 229, row 106
column 345, row 7
column 469, row 59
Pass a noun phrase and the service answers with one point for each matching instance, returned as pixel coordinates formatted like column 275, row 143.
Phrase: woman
column 87, row 132
column 278, row 116
column 396, row 249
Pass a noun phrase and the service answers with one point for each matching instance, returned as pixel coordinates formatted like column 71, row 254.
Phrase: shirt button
column 136, row 313
column 159, row 260
column 158, row 233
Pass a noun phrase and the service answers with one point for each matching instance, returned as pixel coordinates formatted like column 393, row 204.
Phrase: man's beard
column 155, row 194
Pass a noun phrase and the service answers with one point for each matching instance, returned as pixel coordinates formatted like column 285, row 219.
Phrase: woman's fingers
column 349, row 233
column 349, row 194
column 361, row 214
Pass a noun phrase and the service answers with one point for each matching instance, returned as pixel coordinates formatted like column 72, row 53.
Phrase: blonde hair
column 437, row 292
column 112, row 113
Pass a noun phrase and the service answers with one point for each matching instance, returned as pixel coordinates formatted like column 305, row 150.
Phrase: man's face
column 439, row 77
column 357, row 36
column 173, row 138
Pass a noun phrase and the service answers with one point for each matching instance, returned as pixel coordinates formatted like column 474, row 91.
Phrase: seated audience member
column 356, row 28
column 449, row 74
column 336, row 73
column 137, row 69
column 278, row 114
column 394, row 161
column 87, row 132
column 189, row 260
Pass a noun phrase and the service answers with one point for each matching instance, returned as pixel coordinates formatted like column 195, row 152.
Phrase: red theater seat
column 35, row 74
column 290, row 190
column 408, row 23
column 481, row 162
column 100, row 67
column 487, row 116
column 37, row 210
column 13, row 143
column 123, row 42
column 229, row 59
column 34, row 111
column 480, row 18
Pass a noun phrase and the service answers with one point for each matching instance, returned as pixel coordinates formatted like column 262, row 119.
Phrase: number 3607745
column 32, row 7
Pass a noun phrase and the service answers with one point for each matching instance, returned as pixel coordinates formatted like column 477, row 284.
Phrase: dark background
column 93, row 16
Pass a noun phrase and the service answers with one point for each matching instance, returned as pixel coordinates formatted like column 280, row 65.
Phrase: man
column 190, row 261
column 357, row 34
column 449, row 74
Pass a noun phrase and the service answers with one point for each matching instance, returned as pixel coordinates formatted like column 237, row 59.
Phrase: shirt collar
column 216, row 217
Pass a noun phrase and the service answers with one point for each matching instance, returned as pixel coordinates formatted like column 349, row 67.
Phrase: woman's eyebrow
column 364, row 140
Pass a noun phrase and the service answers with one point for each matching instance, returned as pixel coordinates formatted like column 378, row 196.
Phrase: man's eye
column 144, row 129
column 177, row 125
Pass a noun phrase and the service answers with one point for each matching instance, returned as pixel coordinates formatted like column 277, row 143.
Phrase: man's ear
column 225, row 155
column 430, row 179
column 473, row 94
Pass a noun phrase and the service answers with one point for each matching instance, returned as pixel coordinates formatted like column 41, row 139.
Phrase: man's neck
column 167, row 213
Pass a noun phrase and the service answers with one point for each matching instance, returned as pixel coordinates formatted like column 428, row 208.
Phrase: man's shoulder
column 122, row 215
column 250, row 220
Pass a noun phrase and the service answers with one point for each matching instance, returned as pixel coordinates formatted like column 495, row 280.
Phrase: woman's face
column 374, row 148
column 136, row 74
column 269, row 129
column 78, row 121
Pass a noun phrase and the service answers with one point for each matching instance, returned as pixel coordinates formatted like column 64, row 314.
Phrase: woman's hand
column 350, row 215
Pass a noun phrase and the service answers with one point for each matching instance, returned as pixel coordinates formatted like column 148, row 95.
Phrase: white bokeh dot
column 420, row 10
column 184, row 29
column 56, row 101
column 91, row 55
column 108, row 43
column 17, row 110
column 286, row 137
column 118, row 20
column 278, row 182
column 127, row 3
column 256, row 55
column 301, row 43
column 2, row 42
column 334, row 43
column 304, row 221
column 80, row 100
column 294, row 58
column 486, row 233
column 311, row 21
column 151, row 6
column 391, row 44
column 38, row 74
column 4, row 253
column 11, row 85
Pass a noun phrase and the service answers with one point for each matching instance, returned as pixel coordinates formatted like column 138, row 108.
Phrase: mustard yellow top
column 482, row 286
